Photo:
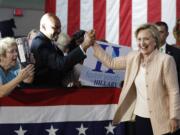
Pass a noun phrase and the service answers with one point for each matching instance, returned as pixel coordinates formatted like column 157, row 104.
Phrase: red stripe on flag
column 125, row 22
column 178, row 9
column 177, row 17
column 154, row 11
column 73, row 16
column 99, row 20
column 50, row 6
column 71, row 96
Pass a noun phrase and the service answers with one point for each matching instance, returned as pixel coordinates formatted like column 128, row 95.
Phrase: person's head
column 176, row 32
column 63, row 41
column 76, row 39
column 50, row 26
column 8, row 52
column 31, row 35
column 148, row 38
column 163, row 31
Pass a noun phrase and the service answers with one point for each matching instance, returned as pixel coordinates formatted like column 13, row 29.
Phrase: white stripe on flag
column 62, row 13
column 139, row 16
column 168, row 9
column 112, row 21
column 60, row 113
column 86, row 14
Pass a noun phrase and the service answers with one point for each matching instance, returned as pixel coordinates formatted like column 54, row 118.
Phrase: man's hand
column 89, row 39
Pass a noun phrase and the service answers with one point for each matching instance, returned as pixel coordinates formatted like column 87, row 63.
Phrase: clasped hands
column 89, row 39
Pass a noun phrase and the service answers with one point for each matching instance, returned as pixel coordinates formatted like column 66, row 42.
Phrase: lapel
column 133, row 71
column 136, row 64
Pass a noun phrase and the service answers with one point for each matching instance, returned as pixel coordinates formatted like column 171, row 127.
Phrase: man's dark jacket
column 51, row 65
column 175, row 52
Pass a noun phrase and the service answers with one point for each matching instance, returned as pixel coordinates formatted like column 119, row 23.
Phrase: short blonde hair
column 6, row 43
column 152, row 29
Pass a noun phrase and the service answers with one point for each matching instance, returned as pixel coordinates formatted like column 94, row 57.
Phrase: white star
column 52, row 130
column 20, row 131
column 82, row 130
column 110, row 128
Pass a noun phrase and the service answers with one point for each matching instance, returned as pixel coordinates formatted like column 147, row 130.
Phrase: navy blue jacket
column 51, row 65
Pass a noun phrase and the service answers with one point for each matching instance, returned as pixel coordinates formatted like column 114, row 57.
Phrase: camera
column 23, row 51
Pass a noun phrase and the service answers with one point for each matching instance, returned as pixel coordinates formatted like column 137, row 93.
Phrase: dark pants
column 143, row 126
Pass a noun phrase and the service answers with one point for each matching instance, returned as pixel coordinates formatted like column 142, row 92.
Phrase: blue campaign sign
column 95, row 74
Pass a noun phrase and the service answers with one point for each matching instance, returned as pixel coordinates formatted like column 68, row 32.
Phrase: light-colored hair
column 6, row 43
column 152, row 29
column 32, row 33
column 63, row 39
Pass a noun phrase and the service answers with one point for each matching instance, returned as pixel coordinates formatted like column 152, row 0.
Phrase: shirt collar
column 151, row 56
column 163, row 48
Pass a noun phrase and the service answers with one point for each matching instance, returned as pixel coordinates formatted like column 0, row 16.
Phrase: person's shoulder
column 39, row 38
column 165, row 57
column 133, row 53
column 38, row 41
column 174, row 46
column 1, row 71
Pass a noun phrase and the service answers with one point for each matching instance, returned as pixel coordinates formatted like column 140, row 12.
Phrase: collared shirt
column 163, row 48
column 82, row 49
column 12, row 73
column 141, row 108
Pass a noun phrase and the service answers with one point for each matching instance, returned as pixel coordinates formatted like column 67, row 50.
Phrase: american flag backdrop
column 85, row 111
column 114, row 20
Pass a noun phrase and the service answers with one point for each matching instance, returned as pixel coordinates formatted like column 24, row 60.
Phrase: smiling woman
column 148, row 39
column 150, row 75
column 10, row 72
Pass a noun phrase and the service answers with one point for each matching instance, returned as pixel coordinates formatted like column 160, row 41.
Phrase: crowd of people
column 150, row 94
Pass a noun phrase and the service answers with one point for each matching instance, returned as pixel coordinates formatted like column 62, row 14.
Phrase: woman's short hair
column 152, row 29
column 6, row 43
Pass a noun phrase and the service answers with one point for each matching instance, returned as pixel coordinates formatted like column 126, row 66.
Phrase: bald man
column 51, row 65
